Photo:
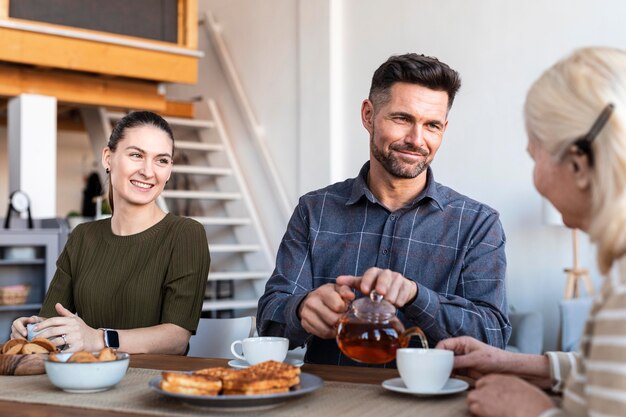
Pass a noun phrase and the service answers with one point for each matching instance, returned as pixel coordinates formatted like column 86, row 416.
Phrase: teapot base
column 365, row 344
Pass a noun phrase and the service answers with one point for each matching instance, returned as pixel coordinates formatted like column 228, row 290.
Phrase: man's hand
column 322, row 308
column 394, row 287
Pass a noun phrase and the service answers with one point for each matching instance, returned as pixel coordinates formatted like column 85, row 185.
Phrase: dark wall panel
column 149, row 19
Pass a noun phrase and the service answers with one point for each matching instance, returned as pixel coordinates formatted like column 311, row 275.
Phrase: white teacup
column 424, row 370
column 261, row 349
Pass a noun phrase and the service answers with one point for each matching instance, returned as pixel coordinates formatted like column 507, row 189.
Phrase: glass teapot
column 370, row 331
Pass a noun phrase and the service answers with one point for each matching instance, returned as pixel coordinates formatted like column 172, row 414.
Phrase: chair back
column 214, row 336
column 574, row 315
column 527, row 332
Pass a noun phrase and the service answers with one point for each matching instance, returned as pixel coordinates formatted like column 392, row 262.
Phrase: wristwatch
column 111, row 338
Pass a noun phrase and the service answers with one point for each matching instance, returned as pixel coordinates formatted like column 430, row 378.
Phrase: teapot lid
column 373, row 308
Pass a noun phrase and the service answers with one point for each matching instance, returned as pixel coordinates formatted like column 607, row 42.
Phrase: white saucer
column 241, row 364
column 452, row 386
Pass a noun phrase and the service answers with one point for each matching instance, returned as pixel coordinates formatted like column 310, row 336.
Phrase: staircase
column 207, row 185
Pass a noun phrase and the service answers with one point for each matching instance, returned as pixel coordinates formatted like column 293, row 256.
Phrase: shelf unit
column 37, row 271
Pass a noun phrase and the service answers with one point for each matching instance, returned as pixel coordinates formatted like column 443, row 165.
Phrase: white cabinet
column 26, row 257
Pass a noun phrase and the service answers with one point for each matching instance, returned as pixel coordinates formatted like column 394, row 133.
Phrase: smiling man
column 433, row 253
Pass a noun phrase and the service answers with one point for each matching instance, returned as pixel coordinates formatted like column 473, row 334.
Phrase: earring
column 108, row 171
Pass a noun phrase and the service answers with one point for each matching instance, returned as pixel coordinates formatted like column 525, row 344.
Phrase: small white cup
column 31, row 332
column 424, row 370
column 261, row 349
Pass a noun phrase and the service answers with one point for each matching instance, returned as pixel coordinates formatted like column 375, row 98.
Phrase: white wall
column 499, row 47
column 262, row 39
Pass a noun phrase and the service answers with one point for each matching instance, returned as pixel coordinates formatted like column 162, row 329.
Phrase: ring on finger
column 65, row 344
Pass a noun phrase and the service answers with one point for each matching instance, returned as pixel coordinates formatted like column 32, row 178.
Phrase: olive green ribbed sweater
column 126, row 282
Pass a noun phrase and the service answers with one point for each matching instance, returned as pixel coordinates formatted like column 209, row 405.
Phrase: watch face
column 19, row 201
column 112, row 339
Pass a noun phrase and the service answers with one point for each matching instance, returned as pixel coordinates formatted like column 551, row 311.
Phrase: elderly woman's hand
column 507, row 396
column 474, row 358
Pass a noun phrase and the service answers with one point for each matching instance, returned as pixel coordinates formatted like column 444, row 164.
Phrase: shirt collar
column 360, row 189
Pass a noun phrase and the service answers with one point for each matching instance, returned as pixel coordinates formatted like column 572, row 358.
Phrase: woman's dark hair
column 414, row 69
column 130, row 121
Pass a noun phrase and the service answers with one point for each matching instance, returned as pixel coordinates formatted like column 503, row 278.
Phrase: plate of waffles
column 261, row 386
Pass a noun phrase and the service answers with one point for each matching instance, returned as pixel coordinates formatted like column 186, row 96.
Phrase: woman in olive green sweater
column 135, row 281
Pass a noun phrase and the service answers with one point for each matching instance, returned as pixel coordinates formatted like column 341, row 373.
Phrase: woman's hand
column 476, row 359
column 70, row 330
column 18, row 328
column 507, row 396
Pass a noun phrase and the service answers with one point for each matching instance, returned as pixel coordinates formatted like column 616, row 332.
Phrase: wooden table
column 327, row 372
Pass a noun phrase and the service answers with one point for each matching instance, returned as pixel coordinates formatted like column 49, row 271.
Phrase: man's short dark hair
column 412, row 68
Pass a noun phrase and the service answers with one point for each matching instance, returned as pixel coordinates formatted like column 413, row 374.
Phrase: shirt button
column 392, row 217
column 385, row 251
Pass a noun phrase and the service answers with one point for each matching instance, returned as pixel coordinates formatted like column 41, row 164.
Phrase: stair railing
column 214, row 33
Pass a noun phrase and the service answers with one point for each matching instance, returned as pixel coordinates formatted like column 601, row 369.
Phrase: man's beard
column 394, row 165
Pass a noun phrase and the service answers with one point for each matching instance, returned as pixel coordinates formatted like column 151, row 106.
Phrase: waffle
column 190, row 384
column 275, row 369
column 265, row 378
column 215, row 372
column 258, row 383
column 182, row 389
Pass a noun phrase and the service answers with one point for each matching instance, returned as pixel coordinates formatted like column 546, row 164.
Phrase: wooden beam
column 178, row 109
column 67, row 119
column 180, row 23
column 63, row 124
column 191, row 24
column 81, row 89
column 52, row 50
column 4, row 9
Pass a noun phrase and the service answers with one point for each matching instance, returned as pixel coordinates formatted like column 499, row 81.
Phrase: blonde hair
column 561, row 106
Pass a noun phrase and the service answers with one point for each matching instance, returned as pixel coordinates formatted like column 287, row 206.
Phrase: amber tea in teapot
column 370, row 331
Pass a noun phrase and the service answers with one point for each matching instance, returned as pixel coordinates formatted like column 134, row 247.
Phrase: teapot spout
column 414, row 331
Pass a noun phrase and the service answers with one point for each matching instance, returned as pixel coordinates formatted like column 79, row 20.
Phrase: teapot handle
column 414, row 331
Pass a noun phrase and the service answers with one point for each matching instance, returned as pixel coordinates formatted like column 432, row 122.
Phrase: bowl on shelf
column 86, row 377
column 20, row 253
column 14, row 294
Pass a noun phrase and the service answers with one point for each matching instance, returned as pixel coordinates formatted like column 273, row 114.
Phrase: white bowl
column 86, row 377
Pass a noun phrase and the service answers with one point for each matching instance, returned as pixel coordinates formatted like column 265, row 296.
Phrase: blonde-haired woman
column 576, row 122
